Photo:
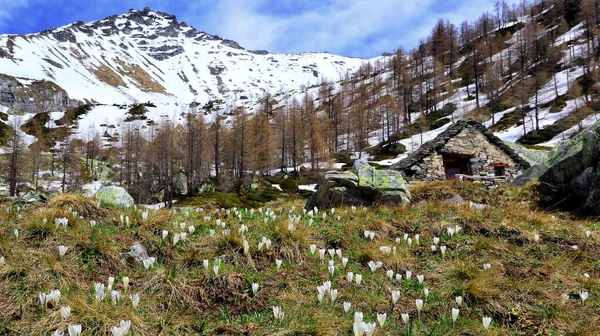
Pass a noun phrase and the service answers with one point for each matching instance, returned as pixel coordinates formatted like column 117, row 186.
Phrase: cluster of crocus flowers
column 278, row 313
column 62, row 221
column 122, row 329
column 46, row 298
column 369, row 234
column 148, row 262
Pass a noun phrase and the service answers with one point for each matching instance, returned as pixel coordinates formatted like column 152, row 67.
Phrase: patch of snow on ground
column 309, row 187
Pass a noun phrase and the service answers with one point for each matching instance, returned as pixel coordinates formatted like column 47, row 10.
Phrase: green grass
column 522, row 291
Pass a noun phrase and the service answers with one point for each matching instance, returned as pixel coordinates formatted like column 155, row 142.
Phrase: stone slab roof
column 434, row 145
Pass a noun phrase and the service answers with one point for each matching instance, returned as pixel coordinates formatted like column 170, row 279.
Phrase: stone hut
column 465, row 150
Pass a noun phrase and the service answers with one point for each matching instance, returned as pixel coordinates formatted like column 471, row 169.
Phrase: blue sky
column 359, row 28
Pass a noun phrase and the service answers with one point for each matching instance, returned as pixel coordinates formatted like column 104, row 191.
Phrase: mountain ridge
column 143, row 55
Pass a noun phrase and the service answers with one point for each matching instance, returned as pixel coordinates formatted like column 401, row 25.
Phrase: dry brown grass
column 144, row 81
column 107, row 75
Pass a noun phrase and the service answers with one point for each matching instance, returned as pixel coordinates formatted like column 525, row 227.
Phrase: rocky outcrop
column 361, row 186
column 570, row 176
column 34, row 97
column 115, row 196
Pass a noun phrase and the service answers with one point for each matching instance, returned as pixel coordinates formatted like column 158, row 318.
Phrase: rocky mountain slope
column 145, row 56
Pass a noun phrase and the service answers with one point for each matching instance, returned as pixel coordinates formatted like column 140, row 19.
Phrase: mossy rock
column 114, row 196
column 363, row 185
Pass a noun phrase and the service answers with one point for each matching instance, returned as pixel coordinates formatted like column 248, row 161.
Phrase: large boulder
column 363, row 185
column 116, row 196
column 570, row 176
column 180, row 184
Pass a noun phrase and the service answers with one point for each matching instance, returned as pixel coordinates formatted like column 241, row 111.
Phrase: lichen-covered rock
column 116, row 196
column 362, row 186
column 570, row 175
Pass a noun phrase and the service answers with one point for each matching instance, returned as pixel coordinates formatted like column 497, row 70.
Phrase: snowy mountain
column 143, row 56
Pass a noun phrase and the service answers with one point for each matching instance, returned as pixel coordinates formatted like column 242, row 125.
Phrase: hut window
column 499, row 169
column 455, row 164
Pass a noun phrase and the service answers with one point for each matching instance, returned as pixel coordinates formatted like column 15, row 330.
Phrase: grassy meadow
column 524, row 268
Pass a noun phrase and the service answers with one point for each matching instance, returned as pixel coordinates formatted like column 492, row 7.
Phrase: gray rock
column 116, row 196
column 477, row 206
column 137, row 252
column 180, row 184
column 570, row 175
column 362, row 186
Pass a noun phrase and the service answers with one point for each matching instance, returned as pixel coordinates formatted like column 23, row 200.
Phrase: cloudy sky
column 359, row 28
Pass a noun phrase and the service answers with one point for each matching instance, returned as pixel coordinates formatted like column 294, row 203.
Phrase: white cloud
column 355, row 28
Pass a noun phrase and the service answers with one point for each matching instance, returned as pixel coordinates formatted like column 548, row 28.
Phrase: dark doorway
column 455, row 164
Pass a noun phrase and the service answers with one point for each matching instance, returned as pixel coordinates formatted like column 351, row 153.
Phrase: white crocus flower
column 459, row 300
column 333, row 294
column 372, row 265
column 359, row 328
column 370, row 329
column 254, row 288
column 347, row 306
column 450, row 232
column 419, row 304
column 126, row 283
column 115, row 296
column 486, row 266
column 135, row 300
column 420, row 279
column 55, row 296
column 358, row 279
column 75, row 330
column 408, row 275
column 349, row 277
column 176, row 238
column 455, row 312
column 443, row 250
column 331, row 269
column 344, row 261
column 62, row 250
column 381, row 319
column 584, row 296
column 278, row 313
column 313, row 248
column 395, row 296
column 65, row 312
column 486, row 322
column 278, row 263
column 390, row 274
column 358, row 317
column 436, row 240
